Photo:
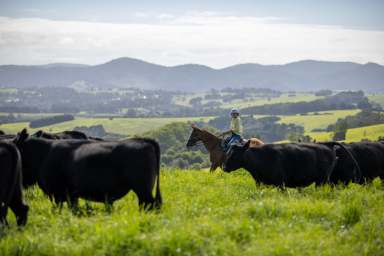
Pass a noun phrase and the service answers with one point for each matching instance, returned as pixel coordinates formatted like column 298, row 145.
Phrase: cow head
column 27, row 151
column 21, row 137
column 235, row 158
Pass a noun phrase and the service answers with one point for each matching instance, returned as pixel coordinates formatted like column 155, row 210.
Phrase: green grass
column 31, row 116
column 211, row 214
column 378, row 98
column 8, row 90
column 284, row 98
column 123, row 126
column 255, row 101
column 312, row 121
column 372, row 132
column 320, row 136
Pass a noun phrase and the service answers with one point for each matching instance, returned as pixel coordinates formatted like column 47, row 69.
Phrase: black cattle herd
column 69, row 165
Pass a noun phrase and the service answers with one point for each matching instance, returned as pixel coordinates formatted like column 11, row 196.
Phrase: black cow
column 6, row 137
column 96, row 171
column 289, row 164
column 65, row 135
column 10, row 184
column 370, row 158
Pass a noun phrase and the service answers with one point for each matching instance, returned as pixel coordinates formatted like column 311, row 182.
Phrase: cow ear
column 21, row 136
column 38, row 134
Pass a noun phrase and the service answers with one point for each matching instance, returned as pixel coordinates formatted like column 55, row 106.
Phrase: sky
column 213, row 33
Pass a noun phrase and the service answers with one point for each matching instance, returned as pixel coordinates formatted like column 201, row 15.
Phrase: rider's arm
column 226, row 132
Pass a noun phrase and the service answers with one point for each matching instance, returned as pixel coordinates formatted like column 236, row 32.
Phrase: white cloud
column 207, row 38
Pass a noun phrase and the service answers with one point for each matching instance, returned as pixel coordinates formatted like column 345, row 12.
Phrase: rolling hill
column 127, row 72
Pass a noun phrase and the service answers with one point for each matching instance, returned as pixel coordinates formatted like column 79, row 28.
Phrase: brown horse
column 211, row 142
column 214, row 144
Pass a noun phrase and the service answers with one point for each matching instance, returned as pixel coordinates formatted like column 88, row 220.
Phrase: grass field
column 210, row 214
column 378, row 98
column 284, row 98
column 372, row 132
column 133, row 126
column 322, row 120
column 123, row 126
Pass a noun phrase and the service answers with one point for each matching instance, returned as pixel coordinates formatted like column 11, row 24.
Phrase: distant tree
column 196, row 101
column 131, row 113
column 323, row 93
column 50, row 120
column 341, row 135
column 340, row 130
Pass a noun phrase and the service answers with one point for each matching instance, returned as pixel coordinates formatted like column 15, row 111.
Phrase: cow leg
column 146, row 200
column 109, row 206
column 88, row 207
column 20, row 209
column 73, row 203
column 3, row 215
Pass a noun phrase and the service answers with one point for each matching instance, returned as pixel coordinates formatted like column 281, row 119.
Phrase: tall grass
column 210, row 214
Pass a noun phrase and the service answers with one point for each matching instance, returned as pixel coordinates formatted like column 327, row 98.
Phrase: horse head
column 211, row 142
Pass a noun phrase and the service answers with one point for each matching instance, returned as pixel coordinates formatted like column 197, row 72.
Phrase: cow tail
column 15, row 171
column 330, row 171
column 158, row 197
column 358, row 175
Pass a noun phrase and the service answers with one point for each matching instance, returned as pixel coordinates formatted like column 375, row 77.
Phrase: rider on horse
column 235, row 131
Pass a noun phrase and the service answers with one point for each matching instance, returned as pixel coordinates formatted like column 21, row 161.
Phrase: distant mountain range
column 127, row 72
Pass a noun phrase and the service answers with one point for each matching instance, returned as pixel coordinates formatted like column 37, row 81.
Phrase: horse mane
column 209, row 139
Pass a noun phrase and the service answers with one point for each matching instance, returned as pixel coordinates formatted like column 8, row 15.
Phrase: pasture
column 372, row 132
column 284, row 98
column 123, row 126
column 318, row 120
column 377, row 98
column 136, row 126
column 252, row 100
column 210, row 214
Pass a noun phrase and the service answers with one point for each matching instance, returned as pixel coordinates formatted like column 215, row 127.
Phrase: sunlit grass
column 123, row 126
column 320, row 120
column 211, row 214
column 372, row 132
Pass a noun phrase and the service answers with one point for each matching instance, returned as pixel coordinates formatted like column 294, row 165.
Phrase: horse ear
column 194, row 126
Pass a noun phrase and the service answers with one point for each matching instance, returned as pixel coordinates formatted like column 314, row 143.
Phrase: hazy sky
column 214, row 33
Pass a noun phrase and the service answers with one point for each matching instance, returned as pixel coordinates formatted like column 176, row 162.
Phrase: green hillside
column 318, row 120
column 123, row 126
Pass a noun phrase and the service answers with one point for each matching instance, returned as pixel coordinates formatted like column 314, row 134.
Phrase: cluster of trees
column 132, row 102
column 342, row 100
column 266, row 128
column 69, row 100
column 363, row 118
column 172, row 139
column 50, row 120
column 323, row 93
